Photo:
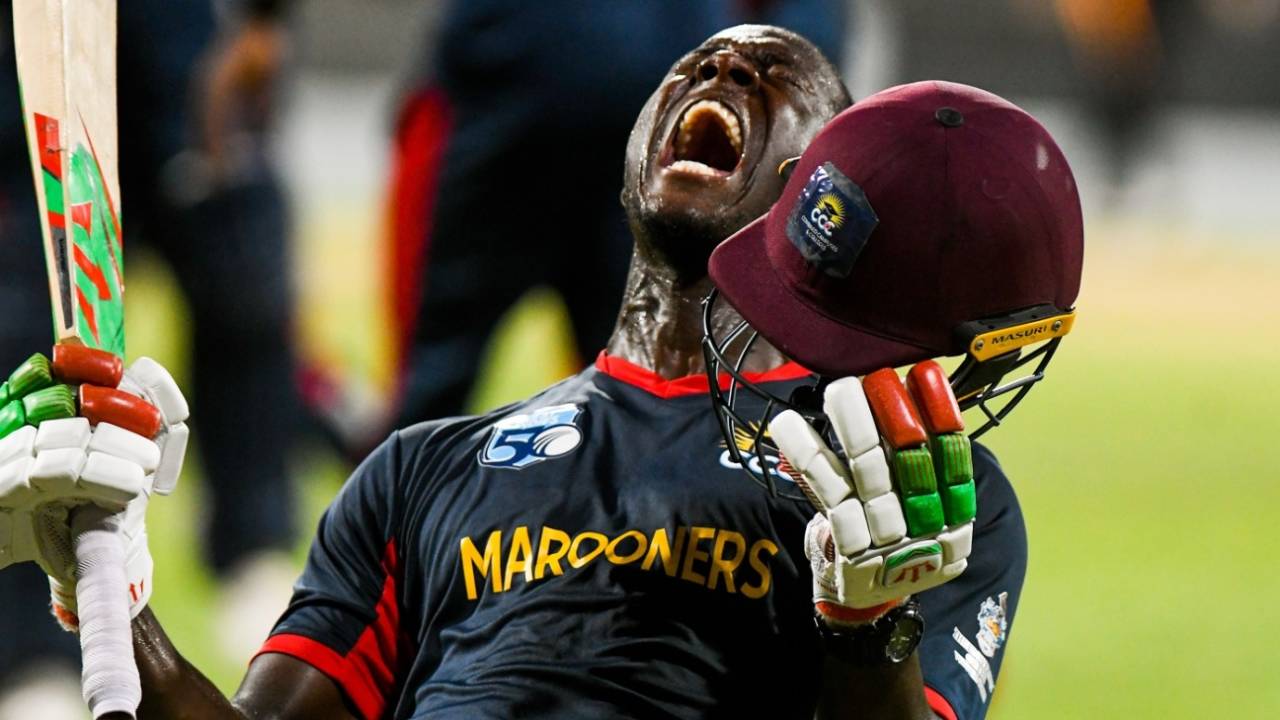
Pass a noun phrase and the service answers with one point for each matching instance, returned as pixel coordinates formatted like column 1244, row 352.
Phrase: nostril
column 707, row 71
column 741, row 77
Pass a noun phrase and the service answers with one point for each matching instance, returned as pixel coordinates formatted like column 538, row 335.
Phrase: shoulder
column 989, row 474
column 999, row 511
column 420, row 452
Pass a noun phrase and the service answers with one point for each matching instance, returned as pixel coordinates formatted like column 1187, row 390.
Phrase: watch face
column 904, row 637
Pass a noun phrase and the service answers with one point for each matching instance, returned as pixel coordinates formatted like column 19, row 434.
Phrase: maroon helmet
column 928, row 220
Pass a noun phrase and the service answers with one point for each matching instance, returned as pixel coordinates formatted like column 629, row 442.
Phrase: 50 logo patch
column 523, row 440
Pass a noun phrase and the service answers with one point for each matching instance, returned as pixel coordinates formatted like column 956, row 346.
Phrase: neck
column 660, row 325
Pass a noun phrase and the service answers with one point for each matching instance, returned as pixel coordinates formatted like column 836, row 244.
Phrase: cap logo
column 831, row 221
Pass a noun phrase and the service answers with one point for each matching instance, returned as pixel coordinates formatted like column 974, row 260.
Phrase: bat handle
column 110, row 679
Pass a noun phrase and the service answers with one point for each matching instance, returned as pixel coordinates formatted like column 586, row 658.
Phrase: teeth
column 728, row 121
column 694, row 167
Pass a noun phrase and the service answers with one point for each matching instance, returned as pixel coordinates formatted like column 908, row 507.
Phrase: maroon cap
column 920, row 208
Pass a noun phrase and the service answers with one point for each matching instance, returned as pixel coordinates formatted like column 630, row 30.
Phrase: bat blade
column 66, row 57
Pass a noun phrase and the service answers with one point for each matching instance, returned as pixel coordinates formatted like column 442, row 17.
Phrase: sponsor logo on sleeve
column 993, row 629
column 519, row 441
column 993, row 624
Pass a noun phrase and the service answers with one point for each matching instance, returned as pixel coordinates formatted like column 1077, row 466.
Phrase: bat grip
column 110, row 679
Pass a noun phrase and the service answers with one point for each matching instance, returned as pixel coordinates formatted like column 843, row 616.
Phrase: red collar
column 654, row 384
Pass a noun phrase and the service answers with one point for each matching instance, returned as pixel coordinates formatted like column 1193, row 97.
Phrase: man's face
column 703, row 156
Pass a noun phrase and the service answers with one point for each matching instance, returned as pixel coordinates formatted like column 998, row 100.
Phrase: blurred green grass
column 1145, row 465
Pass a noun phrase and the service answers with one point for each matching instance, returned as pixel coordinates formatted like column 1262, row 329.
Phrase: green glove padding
column 51, row 403
column 29, row 396
column 32, row 375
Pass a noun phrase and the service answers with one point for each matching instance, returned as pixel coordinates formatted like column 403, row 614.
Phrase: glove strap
column 842, row 615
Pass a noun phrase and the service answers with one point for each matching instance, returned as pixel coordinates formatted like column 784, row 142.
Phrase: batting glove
column 895, row 498
column 80, row 430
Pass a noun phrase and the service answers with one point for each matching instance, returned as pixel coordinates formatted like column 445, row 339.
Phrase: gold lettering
column 611, row 552
column 518, row 557
column 660, row 547
column 762, row 567
column 721, row 565
column 488, row 563
column 547, row 558
column 577, row 560
column 696, row 535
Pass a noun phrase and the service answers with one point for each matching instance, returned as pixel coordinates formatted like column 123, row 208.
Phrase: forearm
column 887, row 692
column 171, row 686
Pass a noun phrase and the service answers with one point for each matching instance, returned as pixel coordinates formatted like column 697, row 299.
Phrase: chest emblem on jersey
column 519, row 441
column 744, row 438
column 993, row 624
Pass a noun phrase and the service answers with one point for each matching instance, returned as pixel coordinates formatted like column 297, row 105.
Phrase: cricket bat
column 66, row 58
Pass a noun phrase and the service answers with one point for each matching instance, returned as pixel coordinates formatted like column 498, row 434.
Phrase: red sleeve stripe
column 367, row 674
column 939, row 704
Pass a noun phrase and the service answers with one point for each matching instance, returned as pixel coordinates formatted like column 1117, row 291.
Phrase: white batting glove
column 50, row 469
column 896, row 511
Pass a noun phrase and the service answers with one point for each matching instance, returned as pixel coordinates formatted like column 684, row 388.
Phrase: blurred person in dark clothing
column 507, row 167
column 197, row 191
column 1125, row 50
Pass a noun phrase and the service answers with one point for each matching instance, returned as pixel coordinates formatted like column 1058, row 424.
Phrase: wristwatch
column 887, row 640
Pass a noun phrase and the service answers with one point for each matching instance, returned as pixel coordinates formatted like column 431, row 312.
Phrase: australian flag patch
column 831, row 221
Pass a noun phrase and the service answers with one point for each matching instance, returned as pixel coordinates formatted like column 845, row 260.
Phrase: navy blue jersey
column 594, row 552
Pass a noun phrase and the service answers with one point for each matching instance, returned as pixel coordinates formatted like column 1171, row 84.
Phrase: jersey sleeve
column 344, row 616
column 967, row 620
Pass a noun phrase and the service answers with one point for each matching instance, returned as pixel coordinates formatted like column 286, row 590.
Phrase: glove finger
column 54, row 472
column 913, row 471
column 18, row 445
column 82, row 364
column 956, row 543
column 885, row 520
column 822, row 475
column 173, row 448
column 64, row 433
column 949, row 447
column 120, row 408
column 894, row 413
column 149, row 380
column 15, row 492
column 115, row 440
column 845, row 404
column 111, row 481
column 32, row 375
column 930, row 391
column 850, row 532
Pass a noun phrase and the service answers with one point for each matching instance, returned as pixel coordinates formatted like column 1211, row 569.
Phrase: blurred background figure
column 507, row 165
column 199, row 193
column 1125, row 51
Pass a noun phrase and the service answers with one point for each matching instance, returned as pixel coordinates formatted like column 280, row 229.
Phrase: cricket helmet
column 928, row 220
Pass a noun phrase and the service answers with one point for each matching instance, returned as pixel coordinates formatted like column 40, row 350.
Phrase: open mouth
column 708, row 140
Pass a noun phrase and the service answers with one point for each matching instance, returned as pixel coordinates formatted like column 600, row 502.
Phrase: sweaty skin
column 781, row 90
